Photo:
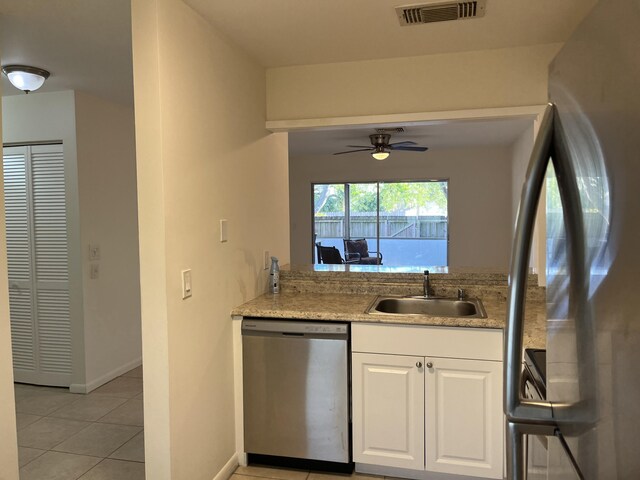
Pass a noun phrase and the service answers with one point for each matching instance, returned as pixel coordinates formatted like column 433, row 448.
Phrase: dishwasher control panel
column 293, row 327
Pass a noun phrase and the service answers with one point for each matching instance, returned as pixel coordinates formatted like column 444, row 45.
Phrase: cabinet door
column 388, row 410
column 464, row 421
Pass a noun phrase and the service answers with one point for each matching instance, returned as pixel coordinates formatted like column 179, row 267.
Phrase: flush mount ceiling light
column 27, row 79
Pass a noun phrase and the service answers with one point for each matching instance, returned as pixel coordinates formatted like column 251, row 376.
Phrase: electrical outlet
column 94, row 272
column 94, row 251
column 266, row 263
column 186, row 283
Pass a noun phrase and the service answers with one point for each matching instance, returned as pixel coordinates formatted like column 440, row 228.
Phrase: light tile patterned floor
column 99, row 436
column 253, row 472
column 66, row 436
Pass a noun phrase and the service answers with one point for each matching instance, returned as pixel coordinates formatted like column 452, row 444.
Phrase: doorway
column 97, row 155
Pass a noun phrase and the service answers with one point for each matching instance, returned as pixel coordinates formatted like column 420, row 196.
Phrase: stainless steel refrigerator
column 590, row 418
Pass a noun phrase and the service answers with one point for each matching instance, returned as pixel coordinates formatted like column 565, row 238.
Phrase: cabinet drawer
column 427, row 341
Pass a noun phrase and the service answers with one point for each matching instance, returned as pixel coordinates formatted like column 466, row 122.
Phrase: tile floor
column 252, row 472
column 67, row 436
column 100, row 436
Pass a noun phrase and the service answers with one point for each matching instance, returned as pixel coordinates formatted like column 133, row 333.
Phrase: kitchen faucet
column 426, row 285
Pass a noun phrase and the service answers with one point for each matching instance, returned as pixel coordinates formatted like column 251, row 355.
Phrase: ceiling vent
column 440, row 12
column 390, row 130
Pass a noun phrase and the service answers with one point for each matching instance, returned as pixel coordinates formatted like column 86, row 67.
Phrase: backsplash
column 445, row 282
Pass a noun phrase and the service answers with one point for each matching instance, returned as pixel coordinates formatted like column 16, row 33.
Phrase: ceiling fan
column 381, row 147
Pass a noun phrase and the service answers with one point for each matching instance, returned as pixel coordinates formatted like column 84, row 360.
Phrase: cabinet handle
column 419, row 364
column 429, row 365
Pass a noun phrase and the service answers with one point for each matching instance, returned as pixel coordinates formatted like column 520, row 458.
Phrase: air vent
column 390, row 130
column 440, row 12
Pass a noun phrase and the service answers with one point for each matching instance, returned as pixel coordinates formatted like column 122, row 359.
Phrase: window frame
column 346, row 223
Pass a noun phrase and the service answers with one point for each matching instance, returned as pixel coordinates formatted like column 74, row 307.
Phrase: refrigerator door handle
column 524, row 415
column 517, row 409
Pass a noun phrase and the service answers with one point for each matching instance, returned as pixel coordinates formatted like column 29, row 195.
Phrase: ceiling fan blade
column 408, row 142
column 409, row 149
column 361, row 146
column 353, row 151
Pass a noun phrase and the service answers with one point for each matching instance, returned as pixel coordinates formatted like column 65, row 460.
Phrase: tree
column 363, row 197
column 328, row 198
column 394, row 197
column 400, row 197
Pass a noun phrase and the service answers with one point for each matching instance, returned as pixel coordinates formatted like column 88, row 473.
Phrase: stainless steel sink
column 435, row 307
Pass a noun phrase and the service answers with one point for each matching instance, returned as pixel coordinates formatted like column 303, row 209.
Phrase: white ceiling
column 439, row 135
column 301, row 32
column 86, row 44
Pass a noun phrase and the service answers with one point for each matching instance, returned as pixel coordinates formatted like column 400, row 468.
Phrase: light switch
column 94, row 251
column 224, row 234
column 266, row 260
column 186, row 283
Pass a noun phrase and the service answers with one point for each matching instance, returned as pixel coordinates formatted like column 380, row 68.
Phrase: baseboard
column 107, row 377
column 409, row 474
column 228, row 468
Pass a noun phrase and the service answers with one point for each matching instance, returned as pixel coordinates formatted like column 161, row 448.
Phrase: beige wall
column 9, row 449
column 456, row 81
column 479, row 196
column 151, row 229
column 108, row 218
column 203, row 155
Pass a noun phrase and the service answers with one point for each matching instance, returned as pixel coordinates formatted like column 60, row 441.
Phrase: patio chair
column 329, row 255
column 357, row 251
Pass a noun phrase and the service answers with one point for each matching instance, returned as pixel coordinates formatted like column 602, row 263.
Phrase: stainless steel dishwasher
column 296, row 390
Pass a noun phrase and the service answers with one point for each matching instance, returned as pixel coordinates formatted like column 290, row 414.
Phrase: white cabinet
column 464, row 422
column 427, row 399
column 388, row 408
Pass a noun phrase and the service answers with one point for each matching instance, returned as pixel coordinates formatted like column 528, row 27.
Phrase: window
column 406, row 221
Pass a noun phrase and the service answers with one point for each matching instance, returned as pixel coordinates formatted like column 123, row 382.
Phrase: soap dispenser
column 274, row 276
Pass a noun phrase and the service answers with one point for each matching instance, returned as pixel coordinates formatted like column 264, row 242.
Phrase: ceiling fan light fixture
column 25, row 78
column 380, row 155
column 381, row 147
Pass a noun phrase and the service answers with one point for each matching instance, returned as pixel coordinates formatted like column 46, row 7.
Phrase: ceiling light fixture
column 27, row 79
column 379, row 153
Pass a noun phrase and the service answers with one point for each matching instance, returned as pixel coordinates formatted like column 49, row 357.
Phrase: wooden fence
column 391, row 226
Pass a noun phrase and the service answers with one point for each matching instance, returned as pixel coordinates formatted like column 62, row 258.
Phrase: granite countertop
column 351, row 307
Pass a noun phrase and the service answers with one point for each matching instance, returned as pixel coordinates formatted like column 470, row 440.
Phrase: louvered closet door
column 18, row 228
column 36, row 225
